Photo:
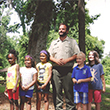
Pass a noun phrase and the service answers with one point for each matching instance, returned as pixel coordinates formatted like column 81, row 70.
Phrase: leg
column 84, row 106
column 15, row 98
column 57, row 90
column 11, row 104
column 39, row 96
column 10, row 96
column 78, row 106
column 16, row 104
column 90, row 97
column 97, row 98
column 22, row 101
column 28, row 103
column 97, row 106
column 89, row 106
column 46, row 101
column 68, row 89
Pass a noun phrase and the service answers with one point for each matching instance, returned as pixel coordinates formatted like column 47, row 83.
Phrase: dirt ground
column 4, row 103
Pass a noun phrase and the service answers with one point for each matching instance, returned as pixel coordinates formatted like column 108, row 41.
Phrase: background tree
column 81, row 17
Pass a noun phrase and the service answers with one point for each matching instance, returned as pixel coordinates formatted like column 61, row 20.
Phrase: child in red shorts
column 12, row 82
column 95, row 86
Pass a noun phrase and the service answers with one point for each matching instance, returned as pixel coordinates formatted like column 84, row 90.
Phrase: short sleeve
column 101, row 69
column 89, row 72
column 34, row 71
column 73, row 73
column 75, row 47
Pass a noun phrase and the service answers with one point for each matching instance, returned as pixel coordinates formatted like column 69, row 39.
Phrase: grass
column 2, row 88
column 105, row 104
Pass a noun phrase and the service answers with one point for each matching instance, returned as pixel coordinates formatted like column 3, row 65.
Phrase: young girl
column 28, row 79
column 12, row 80
column 44, row 69
column 95, row 86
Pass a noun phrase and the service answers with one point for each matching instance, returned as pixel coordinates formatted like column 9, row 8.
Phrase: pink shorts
column 12, row 95
column 96, row 94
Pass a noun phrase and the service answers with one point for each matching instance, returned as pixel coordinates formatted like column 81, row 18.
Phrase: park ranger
column 63, row 52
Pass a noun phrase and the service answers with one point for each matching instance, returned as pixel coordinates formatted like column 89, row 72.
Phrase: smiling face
column 28, row 62
column 80, row 60
column 91, row 56
column 43, row 57
column 63, row 30
column 11, row 59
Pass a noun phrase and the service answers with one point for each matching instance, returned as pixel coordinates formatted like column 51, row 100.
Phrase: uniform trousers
column 61, row 80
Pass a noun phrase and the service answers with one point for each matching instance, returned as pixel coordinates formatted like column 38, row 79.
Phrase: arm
column 18, row 74
column 36, row 78
column 50, row 75
column 62, row 61
column 103, row 81
column 32, row 83
column 74, row 80
column 3, row 70
column 84, row 80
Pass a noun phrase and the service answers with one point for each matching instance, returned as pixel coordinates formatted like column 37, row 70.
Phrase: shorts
column 12, row 95
column 27, row 93
column 81, row 97
column 96, row 94
column 46, row 90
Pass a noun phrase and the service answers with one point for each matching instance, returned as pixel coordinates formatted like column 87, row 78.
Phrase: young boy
column 81, row 75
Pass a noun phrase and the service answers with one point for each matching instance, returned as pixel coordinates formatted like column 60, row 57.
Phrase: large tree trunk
column 81, row 18
column 40, row 28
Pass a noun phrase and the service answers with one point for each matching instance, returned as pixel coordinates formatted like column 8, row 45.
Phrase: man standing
column 63, row 52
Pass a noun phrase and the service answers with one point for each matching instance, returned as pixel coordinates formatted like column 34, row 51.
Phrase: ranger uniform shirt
column 64, row 49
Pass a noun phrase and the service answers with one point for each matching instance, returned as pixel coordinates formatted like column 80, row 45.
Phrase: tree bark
column 81, row 17
column 40, row 28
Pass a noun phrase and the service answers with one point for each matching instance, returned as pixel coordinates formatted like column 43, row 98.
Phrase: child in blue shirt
column 81, row 75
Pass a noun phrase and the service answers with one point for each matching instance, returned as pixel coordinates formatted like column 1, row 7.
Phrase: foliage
column 22, row 48
column 6, row 42
column 92, row 43
column 106, row 66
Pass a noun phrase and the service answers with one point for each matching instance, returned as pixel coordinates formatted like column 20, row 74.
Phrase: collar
column 66, row 39
column 82, row 67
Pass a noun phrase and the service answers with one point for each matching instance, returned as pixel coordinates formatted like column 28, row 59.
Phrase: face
column 11, row 59
column 80, row 60
column 62, row 31
column 91, row 56
column 43, row 57
column 27, row 62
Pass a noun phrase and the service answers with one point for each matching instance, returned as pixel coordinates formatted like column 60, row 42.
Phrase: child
column 44, row 69
column 95, row 86
column 81, row 75
column 28, row 78
column 12, row 80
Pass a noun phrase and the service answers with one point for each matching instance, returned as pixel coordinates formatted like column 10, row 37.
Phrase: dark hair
column 47, row 54
column 67, row 27
column 96, row 57
column 13, row 52
column 32, row 61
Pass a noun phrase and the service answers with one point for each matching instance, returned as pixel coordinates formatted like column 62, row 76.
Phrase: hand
column 64, row 61
column 103, row 90
column 79, row 81
column 5, row 90
column 14, row 89
column 25, row 88
column 75, row 81
column 38, row 87
column 43, row 86
column 59, row 62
